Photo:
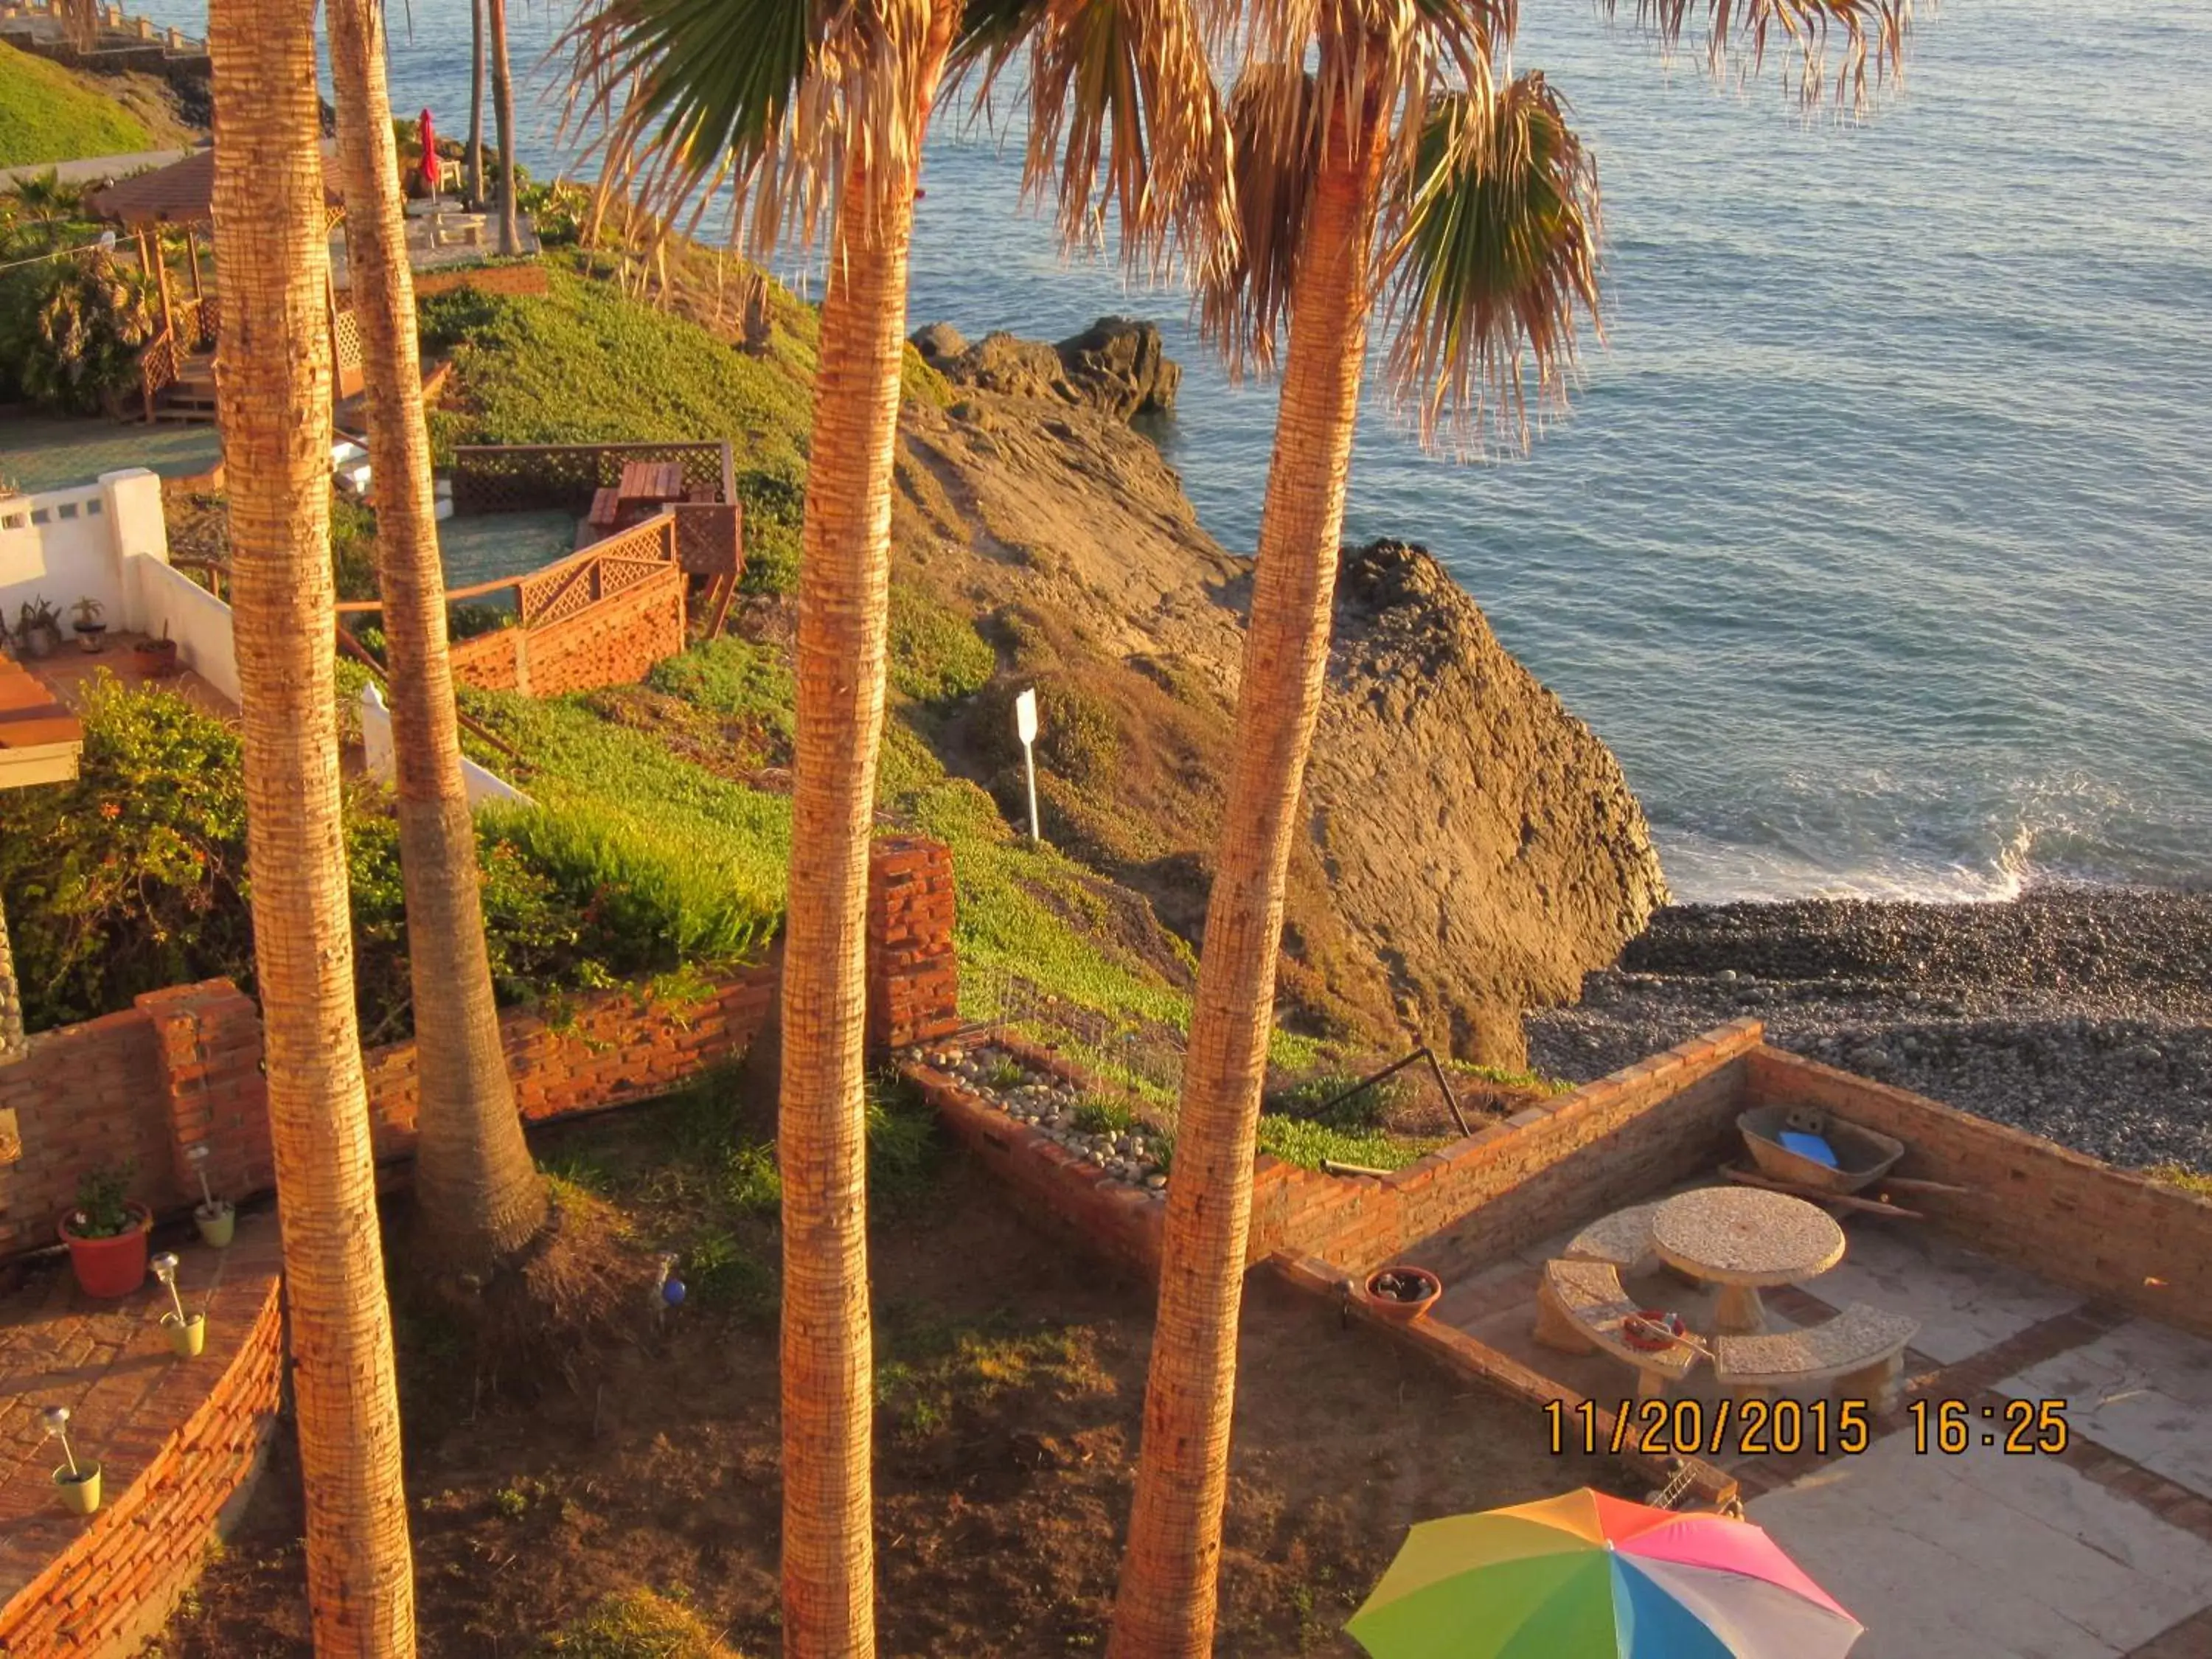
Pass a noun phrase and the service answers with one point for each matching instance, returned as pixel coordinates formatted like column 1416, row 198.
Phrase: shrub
column 72, row 336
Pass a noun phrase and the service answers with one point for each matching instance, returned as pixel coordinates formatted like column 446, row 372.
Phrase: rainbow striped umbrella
column 1587, row 1576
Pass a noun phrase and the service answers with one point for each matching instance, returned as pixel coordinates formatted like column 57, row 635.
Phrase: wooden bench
column 1862, row 1350
column 1623, row 1238
column 1581, row 1308
column 606, row 508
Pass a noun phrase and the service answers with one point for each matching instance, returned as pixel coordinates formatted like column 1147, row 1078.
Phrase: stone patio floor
column 2103, row 1549
column 69, row 669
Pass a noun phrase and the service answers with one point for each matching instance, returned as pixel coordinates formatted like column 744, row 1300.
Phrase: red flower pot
column 1399, row 1308
column 109, row 1266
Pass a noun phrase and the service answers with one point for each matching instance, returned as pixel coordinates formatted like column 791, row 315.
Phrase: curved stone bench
column 1581, row 1307
column 1862, row 1350
column 1623, row 1238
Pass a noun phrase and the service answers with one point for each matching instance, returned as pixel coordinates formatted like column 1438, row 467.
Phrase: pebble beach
column 2081, row 1014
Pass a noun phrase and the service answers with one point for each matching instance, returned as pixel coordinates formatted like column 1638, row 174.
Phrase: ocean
column 1878, row 543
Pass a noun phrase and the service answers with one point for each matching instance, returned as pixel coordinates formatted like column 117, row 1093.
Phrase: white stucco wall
column 62, row 545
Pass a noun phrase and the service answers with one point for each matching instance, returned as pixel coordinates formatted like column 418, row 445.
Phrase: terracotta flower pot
column 1399, row 1309
column 80, row 1492
column 109, row 1266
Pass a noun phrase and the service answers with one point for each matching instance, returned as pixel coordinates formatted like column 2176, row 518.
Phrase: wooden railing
column 565, row 586
column 158, row 362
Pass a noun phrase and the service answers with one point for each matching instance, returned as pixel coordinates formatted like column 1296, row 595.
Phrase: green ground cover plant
column 47, row 115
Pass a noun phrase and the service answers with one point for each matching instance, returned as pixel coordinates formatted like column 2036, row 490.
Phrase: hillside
column 48, row 113
column 1474, row 847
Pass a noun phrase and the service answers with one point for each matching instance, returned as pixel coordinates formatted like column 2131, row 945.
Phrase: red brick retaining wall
column 78, row 1095
column 2066, row 1217
column 914, row 975
column 176, row 1440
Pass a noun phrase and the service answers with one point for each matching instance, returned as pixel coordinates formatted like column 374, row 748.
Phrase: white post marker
column 1025, row 728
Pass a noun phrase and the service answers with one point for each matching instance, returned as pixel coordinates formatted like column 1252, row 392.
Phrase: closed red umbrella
column 430, row 169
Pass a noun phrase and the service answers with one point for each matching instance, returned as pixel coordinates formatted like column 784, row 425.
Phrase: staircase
column 191, row 396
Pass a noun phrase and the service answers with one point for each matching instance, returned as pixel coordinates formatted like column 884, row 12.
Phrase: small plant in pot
column 157, row 659
column 78, row 1483
column 216, row 1218
column 107, row 1234
column 90, row 631
column 187, row 1332
column 1402, row 1294
column 38, row 628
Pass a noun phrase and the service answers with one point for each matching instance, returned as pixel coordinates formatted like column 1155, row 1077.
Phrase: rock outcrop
column 1118, row 367
column 1474, row 848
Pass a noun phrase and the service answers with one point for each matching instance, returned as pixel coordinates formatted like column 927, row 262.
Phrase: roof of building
column 182, row 193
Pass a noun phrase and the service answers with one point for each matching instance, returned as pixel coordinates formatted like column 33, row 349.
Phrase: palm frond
column 790, row 101
column 1491, row 253
column 1244, row 301
column 1739, row 32
column 1123, row 110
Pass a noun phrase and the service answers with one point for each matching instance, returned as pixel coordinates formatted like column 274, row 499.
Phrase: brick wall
column 913, row 974
column 609, row 1050
column 82, row 1098
column 528, row 278
column 612, row 642
column 2064, row 1217
column 176, row 1443
column 1578, row 1154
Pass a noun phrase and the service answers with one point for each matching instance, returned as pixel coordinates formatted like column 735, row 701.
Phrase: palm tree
column 1487, row 212
column 478, row 1198
column 816, row 112
column 473, row 156
column 502, row 109
column 273, row 397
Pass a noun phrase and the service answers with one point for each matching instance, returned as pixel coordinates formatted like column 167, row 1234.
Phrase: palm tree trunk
column 828, row 1557
column 477, row 1196
column 474, row 155
column 502, row 109
column 12, row 1041
column 274, row 396
column 1165, row 1606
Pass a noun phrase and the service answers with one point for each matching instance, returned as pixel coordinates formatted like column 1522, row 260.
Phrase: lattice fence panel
column 524, row 477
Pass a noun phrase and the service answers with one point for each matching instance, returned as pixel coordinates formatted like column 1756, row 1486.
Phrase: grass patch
column 639, row 1624
column 926, row 1369
column 2192, row 1182
column 1296, row 1140
column 936, row 656
column 48, row 115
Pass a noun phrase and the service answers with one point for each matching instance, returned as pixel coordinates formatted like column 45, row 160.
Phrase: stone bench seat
column 1862, row 1350
column 1581, row 1308
column 1623, row 1238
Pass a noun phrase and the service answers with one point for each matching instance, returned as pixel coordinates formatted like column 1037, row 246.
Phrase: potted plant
column 216, row 1218
column 107, row 1234
column 187, row 1332
column 78, row 1483
column 157, row 659
column 89, row 627
column 35, row 628
column 1402, row 1294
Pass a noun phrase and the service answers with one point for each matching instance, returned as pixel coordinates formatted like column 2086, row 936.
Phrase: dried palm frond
column 1491, row 252
column 1123, row 110
column 794, row 101
column 1739, row 31
column 1245, row 302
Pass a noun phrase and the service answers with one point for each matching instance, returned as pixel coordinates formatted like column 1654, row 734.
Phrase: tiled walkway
column 2101, row 1551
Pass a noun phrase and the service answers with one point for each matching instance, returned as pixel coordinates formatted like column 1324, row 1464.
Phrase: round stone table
column 1740, row 1238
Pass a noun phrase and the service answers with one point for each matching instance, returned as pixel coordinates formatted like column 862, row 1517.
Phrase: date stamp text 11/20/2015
column 1823, row 1428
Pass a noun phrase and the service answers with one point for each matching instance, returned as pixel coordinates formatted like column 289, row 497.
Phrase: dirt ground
column 1011, row 1378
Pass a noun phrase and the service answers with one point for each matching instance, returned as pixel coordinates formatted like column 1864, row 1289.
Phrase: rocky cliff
column 1474, row 847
